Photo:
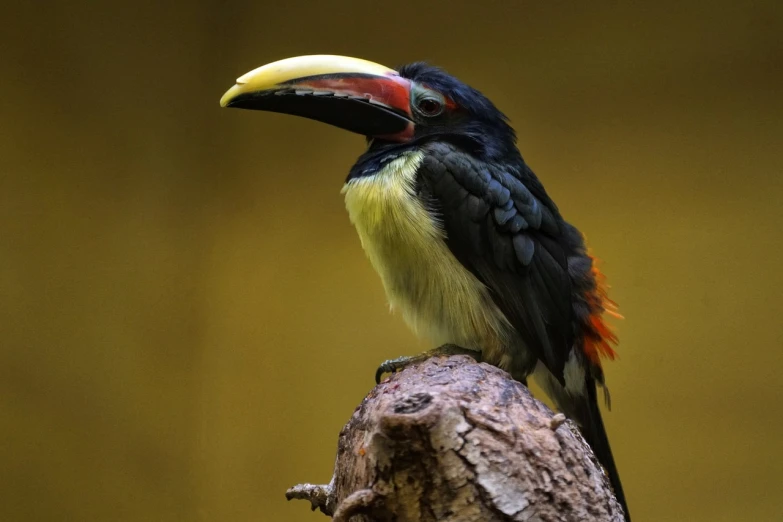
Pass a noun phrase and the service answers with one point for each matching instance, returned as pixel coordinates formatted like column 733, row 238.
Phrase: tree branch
column 454, row 440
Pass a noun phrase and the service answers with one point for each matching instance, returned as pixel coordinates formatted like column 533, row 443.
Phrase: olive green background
column 188, row 318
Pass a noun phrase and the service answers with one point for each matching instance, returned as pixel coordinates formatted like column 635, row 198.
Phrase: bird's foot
column 393, row 365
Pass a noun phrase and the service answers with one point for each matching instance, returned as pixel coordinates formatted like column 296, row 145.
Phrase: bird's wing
column 511, row 240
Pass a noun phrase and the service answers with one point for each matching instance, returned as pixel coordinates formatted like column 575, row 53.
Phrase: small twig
column 317, row 494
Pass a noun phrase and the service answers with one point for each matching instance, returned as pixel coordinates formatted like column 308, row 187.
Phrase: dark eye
column 430, row 106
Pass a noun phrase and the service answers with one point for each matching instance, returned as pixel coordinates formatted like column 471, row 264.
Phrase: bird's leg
column 393, row 365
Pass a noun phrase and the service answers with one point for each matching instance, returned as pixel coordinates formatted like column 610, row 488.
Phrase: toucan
column 469, row 246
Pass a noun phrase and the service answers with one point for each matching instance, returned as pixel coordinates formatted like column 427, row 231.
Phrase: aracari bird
column 469, row 246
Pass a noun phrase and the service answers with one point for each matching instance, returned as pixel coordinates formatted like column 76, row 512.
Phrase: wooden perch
column 451, row 439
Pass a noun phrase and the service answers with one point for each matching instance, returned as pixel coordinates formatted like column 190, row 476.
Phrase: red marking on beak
column 390, row 92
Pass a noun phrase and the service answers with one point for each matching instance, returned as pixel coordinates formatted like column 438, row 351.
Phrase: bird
column 470, row 248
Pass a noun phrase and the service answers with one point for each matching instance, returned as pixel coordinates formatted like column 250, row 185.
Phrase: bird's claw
column 400, row 363
column 393, row 365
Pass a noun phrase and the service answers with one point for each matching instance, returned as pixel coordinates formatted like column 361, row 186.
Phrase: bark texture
column 452, row 440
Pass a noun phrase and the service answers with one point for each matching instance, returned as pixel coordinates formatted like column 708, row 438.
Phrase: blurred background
column 187, row 315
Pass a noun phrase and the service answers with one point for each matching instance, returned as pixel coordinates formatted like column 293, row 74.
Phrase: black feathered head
column 443, row 107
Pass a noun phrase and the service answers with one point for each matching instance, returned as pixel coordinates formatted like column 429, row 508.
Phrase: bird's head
column 408, row 106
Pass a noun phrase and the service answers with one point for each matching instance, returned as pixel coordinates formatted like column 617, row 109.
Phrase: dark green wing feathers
column 510, row 240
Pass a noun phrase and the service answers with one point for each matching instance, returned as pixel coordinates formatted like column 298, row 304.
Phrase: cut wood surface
column 451, row 439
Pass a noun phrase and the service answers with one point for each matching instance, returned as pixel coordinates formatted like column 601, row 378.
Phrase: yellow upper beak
column 276, row 74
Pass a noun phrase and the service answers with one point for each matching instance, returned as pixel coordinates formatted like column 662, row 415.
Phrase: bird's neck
column 377, row 157
column 485, row 147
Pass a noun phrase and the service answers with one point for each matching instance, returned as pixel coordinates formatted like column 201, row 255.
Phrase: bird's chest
column 437, row 296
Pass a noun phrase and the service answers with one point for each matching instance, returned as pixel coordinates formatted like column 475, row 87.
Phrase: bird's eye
column 430, row 106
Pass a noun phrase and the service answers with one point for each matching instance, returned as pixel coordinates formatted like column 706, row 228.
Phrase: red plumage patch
column 599, row 337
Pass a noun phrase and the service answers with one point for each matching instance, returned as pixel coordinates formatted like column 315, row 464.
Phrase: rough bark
column 454, row 440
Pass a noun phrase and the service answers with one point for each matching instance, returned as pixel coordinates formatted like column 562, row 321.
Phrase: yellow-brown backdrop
column 188, row 318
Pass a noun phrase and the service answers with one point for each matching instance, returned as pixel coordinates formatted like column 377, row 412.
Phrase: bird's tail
column 588, row 416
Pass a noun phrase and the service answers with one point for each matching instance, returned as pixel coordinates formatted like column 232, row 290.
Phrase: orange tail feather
column 598, row 342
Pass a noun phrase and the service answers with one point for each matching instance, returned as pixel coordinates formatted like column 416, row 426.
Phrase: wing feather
column 509, row 237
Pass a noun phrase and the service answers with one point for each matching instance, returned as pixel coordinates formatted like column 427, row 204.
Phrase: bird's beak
column 353, row 94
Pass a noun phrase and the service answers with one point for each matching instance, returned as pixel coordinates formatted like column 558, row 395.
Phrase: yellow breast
column 438, row 297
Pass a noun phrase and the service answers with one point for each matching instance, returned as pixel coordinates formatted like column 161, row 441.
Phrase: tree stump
column 452, row 440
